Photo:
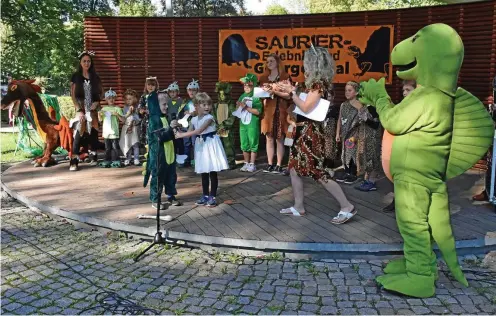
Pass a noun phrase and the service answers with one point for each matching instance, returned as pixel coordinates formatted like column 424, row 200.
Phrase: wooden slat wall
column 128, row 49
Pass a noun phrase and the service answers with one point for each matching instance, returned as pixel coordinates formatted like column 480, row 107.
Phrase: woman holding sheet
column 306, row 158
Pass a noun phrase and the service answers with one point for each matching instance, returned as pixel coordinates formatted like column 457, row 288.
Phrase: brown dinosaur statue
column 22, row 97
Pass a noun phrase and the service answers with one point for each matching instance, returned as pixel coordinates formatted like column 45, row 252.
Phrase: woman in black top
column 86, row 93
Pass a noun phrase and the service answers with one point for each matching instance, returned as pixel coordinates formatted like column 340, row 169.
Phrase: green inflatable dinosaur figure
column 439, row 131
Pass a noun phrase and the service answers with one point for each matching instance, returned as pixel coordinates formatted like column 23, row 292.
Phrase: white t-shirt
column 197, row 123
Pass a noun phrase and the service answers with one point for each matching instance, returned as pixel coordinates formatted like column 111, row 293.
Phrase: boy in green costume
column 223, row 110
column 160, row 146
column 439, row 131
column 249, row 111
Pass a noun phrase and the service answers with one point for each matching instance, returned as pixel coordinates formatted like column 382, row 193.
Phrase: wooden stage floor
column 248, row 211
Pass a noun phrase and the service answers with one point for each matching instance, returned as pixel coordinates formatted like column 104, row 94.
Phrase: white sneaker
column 126, row 162
column 251, row 168
column 244, row 168
column 136, row 162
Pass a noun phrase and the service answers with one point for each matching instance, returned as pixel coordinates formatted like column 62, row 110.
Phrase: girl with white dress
column 210, row 157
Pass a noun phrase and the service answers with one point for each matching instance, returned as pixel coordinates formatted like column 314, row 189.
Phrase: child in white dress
column 210, row 157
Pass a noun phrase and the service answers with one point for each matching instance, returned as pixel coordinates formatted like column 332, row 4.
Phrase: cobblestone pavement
column 175, row 280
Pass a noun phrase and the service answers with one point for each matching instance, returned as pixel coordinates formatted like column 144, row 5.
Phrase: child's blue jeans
column 134, row 149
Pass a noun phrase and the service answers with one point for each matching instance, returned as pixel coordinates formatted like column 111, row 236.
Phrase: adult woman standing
column 306, row 158
column 86, row 93
column 274, row 124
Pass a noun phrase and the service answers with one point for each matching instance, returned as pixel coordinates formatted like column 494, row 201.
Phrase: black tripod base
column 156, row 241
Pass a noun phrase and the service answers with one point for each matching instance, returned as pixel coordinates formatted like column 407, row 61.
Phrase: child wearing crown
column 176, row 111
column 110, row 115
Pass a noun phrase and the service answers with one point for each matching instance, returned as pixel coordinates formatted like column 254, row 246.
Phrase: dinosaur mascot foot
column 44, row 162
column 398, row 266
column 410, row 284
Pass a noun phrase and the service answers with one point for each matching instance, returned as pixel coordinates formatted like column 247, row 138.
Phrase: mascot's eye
column 414, row 38
column 13, row 87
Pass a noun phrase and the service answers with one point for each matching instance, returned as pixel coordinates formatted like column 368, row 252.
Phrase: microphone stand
column 158, row 239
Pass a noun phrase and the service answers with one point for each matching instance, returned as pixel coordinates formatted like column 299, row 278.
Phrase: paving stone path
column 36, row 278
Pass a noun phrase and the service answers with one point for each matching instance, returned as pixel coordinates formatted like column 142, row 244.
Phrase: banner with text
column 360, row 52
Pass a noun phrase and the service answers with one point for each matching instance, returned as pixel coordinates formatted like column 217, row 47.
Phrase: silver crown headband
column 151, row 78
column 110, row 93
column 89, row 52
column 193, row 85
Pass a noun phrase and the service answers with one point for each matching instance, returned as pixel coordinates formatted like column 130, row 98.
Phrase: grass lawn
column 7, row 147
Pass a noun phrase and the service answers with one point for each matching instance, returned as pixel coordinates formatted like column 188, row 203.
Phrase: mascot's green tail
column 443, row 236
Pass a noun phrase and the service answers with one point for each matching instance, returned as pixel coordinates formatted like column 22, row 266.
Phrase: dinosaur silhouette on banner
column 235, row 51
column 23, row 99
column 375, row 57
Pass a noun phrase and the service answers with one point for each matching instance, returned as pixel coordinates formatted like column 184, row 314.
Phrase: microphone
column 173, row 117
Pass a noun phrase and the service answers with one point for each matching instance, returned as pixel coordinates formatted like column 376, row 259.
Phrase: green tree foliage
column 137, row 8
column 327, row 6
column 196, row 8
column 42, row 38
column 276, row 9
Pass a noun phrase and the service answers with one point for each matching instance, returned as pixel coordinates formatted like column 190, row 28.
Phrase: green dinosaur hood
column 433, row 57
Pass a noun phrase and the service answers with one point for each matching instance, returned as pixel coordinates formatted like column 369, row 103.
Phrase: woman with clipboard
column 306, row 158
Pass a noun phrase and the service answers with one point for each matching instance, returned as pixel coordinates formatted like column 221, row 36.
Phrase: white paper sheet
column 107, row 123
column 260, row 93
column 184, row 121
column 244, row 115
column 318, row 113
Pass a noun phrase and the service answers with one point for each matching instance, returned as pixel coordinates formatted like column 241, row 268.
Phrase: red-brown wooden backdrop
column 128, row 49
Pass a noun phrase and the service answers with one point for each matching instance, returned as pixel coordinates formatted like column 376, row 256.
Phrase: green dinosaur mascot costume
column 438, row 132
column 225, row 120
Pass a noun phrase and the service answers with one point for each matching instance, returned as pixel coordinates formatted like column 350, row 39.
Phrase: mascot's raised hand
column 372, row 91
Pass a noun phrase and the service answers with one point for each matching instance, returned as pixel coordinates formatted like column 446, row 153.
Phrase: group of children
column 360, row 132
column 134, row 117
column 354, row 125
column 199, row 139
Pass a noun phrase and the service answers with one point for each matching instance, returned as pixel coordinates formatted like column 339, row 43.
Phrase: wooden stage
column 248, row 212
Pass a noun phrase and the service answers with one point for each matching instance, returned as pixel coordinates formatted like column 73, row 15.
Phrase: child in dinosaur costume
column 437, row 132
column 249, row 111
column 164, row 147
column 225, row 120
